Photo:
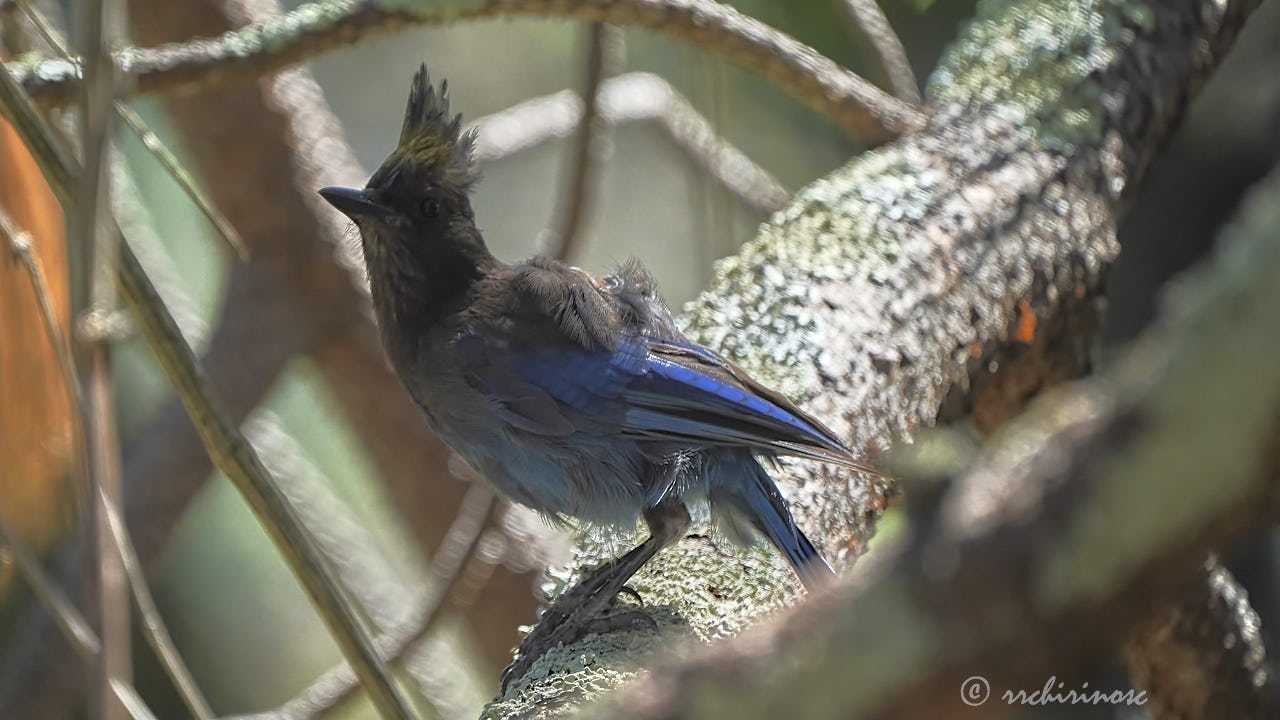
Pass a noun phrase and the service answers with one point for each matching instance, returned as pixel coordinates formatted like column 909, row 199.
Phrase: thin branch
column 856, row 106
column 456, row 551
column 585, row 153
column 633, row 97
column 237, row 459
column 185, row 182
column 99, row 247
column 150, row 141
column 152, row 623
column 887, row 50
column 72, row 624
column 20, row 245
column 131, row 700
column 225, row 443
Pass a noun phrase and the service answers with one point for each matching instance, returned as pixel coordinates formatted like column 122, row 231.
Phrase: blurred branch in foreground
column 223, row 441
column 632, row 97
column 37, row 446
column 585, row 155
column 153, row 625
column 856, row 106
column 74, row 627
column 149, row 139
column 88, row 203
column 456, row 552
column 886, row 49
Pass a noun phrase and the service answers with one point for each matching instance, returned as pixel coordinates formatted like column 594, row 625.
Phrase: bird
column 575, row 395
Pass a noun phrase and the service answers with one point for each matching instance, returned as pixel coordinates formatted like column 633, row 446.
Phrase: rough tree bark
column 1087, row 515
column 891, row 290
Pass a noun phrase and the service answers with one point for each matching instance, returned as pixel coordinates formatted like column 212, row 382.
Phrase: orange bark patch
column 1026, row 331
column 35, row 409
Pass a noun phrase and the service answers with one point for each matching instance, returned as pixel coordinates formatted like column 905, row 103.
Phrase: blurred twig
column 858, row 107
column 99, row 247
column 150, row 141
column 303, row 293
column 633, row 97
column 153, row 624
column 237, row 459
column 887, row 50
column 456, row 551
column 131, row 701
column 585, row 154
column 73, row 625
column 20, row 245
column 224, row 442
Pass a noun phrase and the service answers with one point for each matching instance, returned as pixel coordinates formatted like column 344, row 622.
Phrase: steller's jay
column 574, row 395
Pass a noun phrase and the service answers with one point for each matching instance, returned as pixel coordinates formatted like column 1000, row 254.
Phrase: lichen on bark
column 894, row 282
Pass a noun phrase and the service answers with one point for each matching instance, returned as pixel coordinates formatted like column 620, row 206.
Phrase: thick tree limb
column 855, row 105
column 1088, row 513
column 891, row 283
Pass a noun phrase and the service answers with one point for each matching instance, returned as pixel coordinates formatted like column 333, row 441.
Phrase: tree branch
column 584, row 162
column 99, row 244
column 74, row 627
column 153, row 628
column 633, row 97
column 149, row 139
column 861, row 110
column 457, row 550
column 888, row 285
column 1038, row 560
column 887, row 50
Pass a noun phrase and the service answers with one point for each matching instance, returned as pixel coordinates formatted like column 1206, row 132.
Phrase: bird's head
column 415, row 207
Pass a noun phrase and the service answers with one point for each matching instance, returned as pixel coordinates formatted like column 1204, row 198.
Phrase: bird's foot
column 631, row 593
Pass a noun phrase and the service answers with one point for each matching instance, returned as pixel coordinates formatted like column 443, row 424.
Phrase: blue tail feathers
column 768, row 512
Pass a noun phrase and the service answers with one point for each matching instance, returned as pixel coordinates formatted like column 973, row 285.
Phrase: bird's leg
column 573, row 613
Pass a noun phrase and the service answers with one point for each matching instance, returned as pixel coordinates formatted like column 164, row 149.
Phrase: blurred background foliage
column 237, row 614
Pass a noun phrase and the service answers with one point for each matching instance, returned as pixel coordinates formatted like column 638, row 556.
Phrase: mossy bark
column 887, row 290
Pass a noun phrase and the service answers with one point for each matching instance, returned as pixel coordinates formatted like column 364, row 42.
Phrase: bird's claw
column 631, row 593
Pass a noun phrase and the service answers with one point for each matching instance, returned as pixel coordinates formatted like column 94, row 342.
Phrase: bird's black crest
column 430, row 137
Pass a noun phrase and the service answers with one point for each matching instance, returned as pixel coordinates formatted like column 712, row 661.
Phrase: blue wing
column 647, row 390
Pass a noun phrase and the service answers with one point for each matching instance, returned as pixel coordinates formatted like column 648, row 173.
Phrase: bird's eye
column 431, row 208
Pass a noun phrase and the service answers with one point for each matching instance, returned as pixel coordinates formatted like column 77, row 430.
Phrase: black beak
column 352, row 203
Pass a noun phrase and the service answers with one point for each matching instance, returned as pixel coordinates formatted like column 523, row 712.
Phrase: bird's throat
column 416, row 290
